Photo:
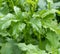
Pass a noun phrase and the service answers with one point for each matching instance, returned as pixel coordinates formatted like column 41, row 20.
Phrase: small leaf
column 5, row 22
column 16, row 9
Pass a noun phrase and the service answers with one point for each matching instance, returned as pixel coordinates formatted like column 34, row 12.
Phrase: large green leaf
column 52, row 37
column 10, row 48
column 31, row 49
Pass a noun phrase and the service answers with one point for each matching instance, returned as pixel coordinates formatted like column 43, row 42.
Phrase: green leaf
column 4, row 33
column 4, row 8
column 47, row 13
column 17, row 10
column 54, row 43
column 5, row 22
column 42, row 4
column 17, row 28
column 31, row 49
column 56, row 5
column 36, row 24
column 9, row 48
column 52, row 37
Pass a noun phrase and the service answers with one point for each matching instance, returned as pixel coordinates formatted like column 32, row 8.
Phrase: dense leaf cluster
column 29, row 27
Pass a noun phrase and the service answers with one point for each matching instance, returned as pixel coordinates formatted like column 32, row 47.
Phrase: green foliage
column 29, row 27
